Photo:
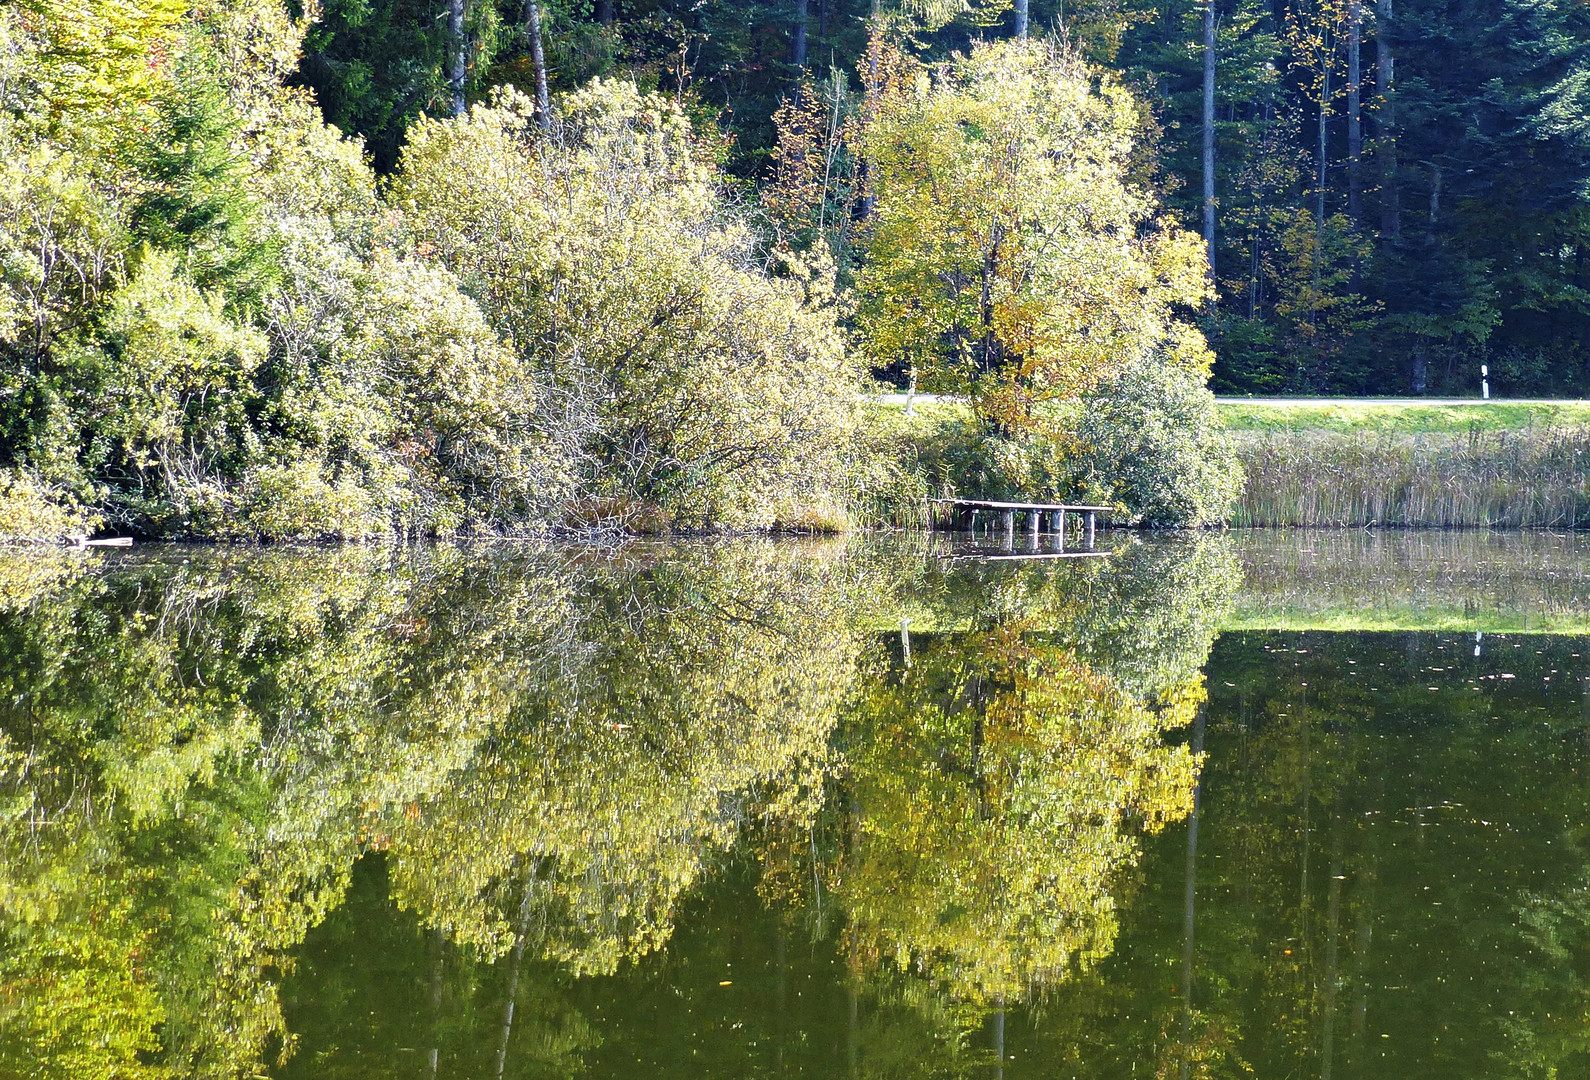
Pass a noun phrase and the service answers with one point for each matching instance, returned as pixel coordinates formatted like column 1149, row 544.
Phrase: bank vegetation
column 1531, row 478
column 560, row 313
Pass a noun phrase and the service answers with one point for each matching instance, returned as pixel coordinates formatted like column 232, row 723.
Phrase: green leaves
column 1010, row 257
column 706, row 391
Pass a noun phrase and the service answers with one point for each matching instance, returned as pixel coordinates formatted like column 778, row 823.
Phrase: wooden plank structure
column 965, row 512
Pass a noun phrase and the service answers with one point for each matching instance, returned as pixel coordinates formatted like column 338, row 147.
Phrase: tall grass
column 1530, row 478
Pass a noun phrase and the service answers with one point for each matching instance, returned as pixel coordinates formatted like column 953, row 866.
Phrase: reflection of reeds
column 1385, row 579
column 1531, row 478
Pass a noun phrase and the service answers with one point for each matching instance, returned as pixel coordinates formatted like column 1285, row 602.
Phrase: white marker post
column 1485, row 382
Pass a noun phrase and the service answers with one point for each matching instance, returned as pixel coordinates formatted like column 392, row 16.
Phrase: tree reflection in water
column 553, row 752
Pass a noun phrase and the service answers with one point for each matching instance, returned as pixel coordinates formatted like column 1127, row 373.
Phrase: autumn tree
column 1010, row 255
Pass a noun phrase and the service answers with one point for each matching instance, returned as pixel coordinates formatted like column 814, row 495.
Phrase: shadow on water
column 756, row 808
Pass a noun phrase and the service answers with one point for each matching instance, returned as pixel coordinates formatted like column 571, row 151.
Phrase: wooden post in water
column 1010, row 528
column 1092, row 521
column 1034, row 521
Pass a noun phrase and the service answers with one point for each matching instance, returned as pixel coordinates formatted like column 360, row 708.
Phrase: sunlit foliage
column 992, row 786
column 703, row 389
column 1008, row 256
column 213, row 325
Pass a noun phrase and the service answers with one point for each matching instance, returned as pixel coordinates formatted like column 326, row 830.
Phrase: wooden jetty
column 1038, row 517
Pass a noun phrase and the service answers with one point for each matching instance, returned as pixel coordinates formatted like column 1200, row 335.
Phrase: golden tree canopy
column 1010, row 255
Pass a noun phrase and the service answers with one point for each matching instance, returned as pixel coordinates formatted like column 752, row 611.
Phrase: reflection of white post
column 1485, row 382
column 905, row 640
column 1479, row 636
column 999, row 1040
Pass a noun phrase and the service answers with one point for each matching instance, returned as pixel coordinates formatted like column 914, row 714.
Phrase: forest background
column 1398, row 192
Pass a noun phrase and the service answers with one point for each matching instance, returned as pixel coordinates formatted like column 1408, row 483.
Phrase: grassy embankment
column 1490, row 464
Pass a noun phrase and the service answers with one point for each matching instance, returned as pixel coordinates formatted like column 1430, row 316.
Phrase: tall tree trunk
column 1386, row 122
column 433, row 1059
column 797, row 51
column 1364, row 915
column 1209, row 132
column 874, row 43
column 521, row 929
column 604, row 12
column 852, row 1026
column 1021, row 20
column 780, row 997
column 1355, row 130
column 532, row 17
column 457, row 50
column 1333, row 917
column 1319, row 210
column 999, row 1041
column 1324, row 132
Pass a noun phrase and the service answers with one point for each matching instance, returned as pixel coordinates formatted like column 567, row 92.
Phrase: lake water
column 1272, row 804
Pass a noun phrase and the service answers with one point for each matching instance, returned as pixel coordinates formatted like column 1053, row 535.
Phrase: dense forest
column 383, row 268
column 534, row 276
column 1395, row 192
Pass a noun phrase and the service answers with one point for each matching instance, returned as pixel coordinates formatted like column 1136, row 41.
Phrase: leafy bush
column 1151, row 439
column 692, row 379
column 296, row 502
column 197, row 319
column 31, row 511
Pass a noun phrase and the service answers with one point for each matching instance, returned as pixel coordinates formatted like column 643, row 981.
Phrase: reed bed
column 1533, row 478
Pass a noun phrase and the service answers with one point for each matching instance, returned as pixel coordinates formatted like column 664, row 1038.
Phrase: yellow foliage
column 1009, row 256
column 605, row 253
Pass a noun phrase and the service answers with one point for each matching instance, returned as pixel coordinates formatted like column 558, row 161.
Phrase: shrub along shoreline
column 218, row 322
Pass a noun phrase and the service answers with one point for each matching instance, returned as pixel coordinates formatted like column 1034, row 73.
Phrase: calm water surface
column 1270, row 805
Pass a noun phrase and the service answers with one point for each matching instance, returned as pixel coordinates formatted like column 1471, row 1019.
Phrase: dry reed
column 1526, row 479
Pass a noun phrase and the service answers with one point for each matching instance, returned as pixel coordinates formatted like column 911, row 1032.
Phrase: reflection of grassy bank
column 1288, row 579
column 1424, row 580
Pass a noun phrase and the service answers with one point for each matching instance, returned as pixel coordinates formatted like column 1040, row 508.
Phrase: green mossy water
column 711, row 810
